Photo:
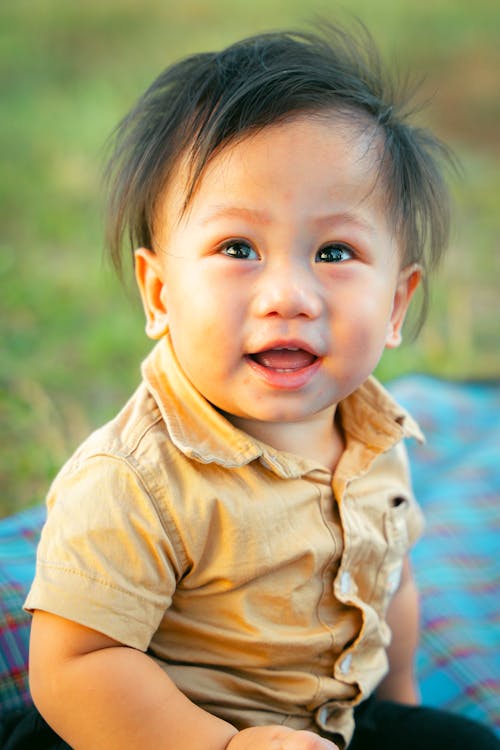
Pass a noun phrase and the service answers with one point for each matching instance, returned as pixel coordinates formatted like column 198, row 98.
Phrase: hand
column 278, row 738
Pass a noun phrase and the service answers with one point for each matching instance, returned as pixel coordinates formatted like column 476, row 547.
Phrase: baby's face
column 281, row 283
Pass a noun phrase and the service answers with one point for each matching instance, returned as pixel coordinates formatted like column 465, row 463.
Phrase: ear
column 409, row 279
column 149, row 277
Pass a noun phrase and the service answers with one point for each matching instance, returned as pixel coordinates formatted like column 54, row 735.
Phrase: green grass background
column 72, row 337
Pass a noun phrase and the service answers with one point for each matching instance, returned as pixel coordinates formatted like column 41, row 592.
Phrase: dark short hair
column 200, row 104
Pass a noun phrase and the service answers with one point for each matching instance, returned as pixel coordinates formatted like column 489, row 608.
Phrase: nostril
column 288, row 301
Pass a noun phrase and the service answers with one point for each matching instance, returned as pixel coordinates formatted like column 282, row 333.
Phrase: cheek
column 362, row 315
column 359, row 340
column 202, row 331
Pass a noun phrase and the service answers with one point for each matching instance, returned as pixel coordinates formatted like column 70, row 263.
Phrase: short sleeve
column 105, row 559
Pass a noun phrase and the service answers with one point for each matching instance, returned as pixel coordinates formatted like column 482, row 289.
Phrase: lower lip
column 285, row 380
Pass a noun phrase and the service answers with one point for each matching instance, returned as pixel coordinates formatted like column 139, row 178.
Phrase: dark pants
column 383, row 725
column 380, row 725
column 26, row 730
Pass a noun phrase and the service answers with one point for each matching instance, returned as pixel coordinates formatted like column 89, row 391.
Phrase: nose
column 288, row 291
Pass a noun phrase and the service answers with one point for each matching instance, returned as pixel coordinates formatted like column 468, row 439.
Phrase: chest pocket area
column 395, row 525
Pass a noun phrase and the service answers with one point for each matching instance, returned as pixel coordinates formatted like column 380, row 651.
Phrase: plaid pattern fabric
column 456, row 476
column 18, row 539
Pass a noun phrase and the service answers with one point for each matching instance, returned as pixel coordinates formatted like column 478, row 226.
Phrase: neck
column 319, row 438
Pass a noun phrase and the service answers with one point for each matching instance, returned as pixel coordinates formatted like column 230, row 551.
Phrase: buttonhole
column 397, row 501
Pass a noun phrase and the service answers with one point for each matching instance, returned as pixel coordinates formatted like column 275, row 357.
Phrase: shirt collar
column 198, row 430
column 371, row 416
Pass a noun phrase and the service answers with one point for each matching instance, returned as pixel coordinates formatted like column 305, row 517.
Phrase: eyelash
column 337, row 248
column 334, row 249
column 226, row 247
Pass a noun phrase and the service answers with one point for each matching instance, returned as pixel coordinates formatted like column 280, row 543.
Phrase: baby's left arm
column 403, row 619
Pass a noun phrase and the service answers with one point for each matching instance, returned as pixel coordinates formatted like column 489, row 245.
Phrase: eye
column 334, row 253
column 239, row 249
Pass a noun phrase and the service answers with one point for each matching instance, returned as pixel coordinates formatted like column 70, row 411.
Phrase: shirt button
column 394, row 579
column 323, row 715
column 345, row 582
column 345, row 664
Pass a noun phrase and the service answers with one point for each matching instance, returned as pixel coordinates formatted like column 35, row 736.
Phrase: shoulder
column 127, row 434
column 120, row 472
column 394, row 464
column 129, row 444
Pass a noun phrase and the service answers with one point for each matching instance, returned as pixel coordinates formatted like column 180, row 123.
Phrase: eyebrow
column 220, row 211
column 238, row 212
column 344, row 217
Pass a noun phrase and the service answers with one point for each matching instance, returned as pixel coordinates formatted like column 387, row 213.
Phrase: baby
column 224, row 565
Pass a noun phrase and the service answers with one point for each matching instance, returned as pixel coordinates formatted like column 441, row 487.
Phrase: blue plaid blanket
column 456, row 477
column 18, row 539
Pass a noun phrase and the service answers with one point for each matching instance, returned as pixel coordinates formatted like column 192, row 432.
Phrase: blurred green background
column 72, row 337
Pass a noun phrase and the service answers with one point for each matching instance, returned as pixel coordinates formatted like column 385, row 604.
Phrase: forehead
column 314, row 159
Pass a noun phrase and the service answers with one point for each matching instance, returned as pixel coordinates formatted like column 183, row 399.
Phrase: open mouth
column 284, row 359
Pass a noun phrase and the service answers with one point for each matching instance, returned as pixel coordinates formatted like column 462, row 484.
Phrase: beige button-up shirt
column 259, row 581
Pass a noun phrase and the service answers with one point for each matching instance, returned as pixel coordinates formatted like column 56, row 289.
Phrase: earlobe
column 409, row 280
column 149, row 277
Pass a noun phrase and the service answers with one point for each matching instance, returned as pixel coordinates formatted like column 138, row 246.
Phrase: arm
column 98, row 694
column 403, row 619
